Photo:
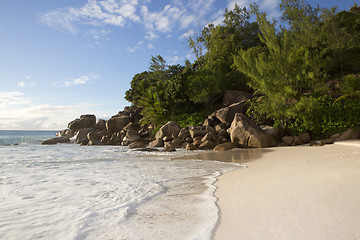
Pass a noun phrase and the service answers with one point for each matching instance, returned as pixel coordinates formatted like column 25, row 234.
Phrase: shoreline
column 298, row 192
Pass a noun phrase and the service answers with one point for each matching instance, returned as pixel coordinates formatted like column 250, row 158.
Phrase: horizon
column 63, row 59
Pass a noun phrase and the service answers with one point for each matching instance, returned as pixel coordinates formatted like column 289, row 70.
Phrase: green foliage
column 286, row 65
column 285, row 68
column 350, row 87
column 316, row 115
column 194, row 119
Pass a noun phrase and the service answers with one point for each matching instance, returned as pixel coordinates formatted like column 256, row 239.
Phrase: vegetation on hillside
column 304, row 70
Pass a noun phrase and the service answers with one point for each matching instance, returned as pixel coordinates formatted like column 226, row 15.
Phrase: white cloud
column 173, row 60
column 13, row 98
column 60, row 19
column 95, row 12
column 20, row 112
column 150, row 46
column 173, row 16
column 21, row 84
column 83, row 79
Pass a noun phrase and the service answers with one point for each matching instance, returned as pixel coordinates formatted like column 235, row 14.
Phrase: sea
column 68, row 191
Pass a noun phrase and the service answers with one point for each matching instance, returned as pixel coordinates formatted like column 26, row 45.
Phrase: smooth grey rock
column 244, row 131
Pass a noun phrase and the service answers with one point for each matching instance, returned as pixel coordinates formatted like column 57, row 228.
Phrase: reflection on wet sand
column 235, row 155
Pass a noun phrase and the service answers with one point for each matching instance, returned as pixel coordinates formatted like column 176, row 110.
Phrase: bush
column 316, row 115
column 194, row 119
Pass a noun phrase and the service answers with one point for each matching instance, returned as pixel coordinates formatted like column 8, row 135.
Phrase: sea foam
column 67, row 191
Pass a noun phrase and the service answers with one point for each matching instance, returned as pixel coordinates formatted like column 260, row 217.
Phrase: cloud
column 13, row 98
column 95, row 13
column 83, row 79
column 20, row 112
column 21, row 84
column 60, row 19
column 120, row 13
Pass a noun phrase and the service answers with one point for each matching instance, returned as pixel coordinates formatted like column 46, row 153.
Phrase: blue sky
column 63, row 58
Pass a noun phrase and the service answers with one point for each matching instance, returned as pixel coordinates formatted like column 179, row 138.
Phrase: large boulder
column 272, row 131
column 225, row 146
column 85, row 121
column 207, row 145
column 117, row 123
column 197, row 132
column 158, row 142
column 226, row 114
column 351, row 133
column 244, row 131
column 137, row 144
column 56, row 140
column 82, row 134
column 170, row 129
column 234, row 96
column 101, row 124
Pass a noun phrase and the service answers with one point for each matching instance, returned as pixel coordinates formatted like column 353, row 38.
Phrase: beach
column 298, row 192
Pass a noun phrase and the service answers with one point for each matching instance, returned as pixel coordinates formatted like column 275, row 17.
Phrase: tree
column 285, row 67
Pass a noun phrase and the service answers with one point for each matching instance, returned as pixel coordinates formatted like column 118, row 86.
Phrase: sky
column 60, row 59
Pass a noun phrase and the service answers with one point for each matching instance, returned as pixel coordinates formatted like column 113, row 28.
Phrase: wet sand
column 293, row 193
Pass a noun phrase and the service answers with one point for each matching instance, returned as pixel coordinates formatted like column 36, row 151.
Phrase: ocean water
column 67, row 191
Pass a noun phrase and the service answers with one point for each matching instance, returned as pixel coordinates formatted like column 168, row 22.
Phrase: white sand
column 293, row 193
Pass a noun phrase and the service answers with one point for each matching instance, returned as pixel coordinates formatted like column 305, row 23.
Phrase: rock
column 305, row 137
column 95, row 135
column 327, row 141
column 132, row 136
column 220, row 127
column 81, row 135
column 147, row 150
column 158, row 142
column 272, row 131
column 209, row 129
column 197, row 141
column 316, row 144
column 184, row 133
column 244, row 131
column 83, row 142
column 207, row 145
column 101, row 124
column 209, row 136
column 105, row 139
column 56, row 140
column 118, row 123
column 225, row 146
column 169, row 148
column 226, row 115
column 170, row 129
column 176, row 142
column 137, row 144
column 64, row 133
column 351, row 133
column 297, row 141
column 85, row 121
column 209, row 121
column 223, row 133
column 197, row 132
column 287, row 140
column 95, row 143
column 167, row 138
column 335, row 136
column 190, row 147
column 234, row 96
